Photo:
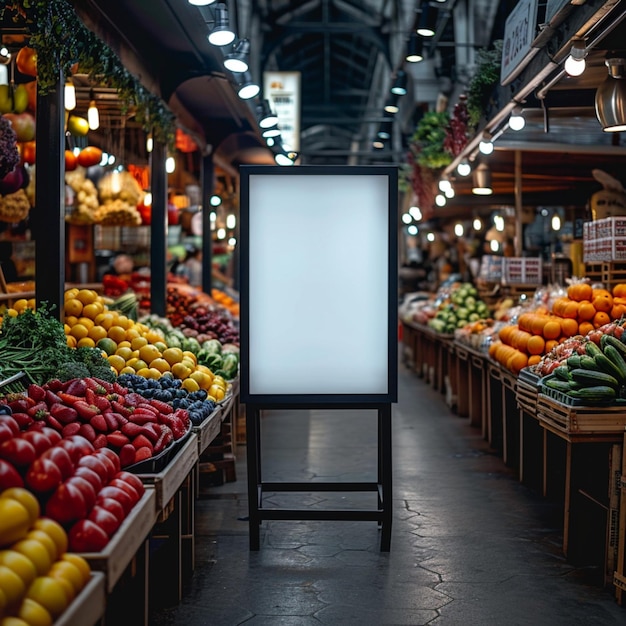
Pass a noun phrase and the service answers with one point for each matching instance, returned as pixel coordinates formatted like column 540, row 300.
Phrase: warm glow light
column 463, row 168
column 170, row 164
column 116, row 182
column 556, row 222
column 221, row 233
column 412, row 230
column 147, row 199
column 477, row 224
column 494, row 245
column 444, row 184
column 575, row 67
column 430, row 237
column 459, row 230
column 149, row 143
column 231, row 221
column 232, row 242
column 415, row 213
column 200, row 3
column 93, row 117
column 440, row 200
column 486, row 147
column 70, row 96
column 449, row 193
column 498, row 222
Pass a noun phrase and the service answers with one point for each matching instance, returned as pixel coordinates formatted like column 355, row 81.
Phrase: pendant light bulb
column 70, row 96
column 463, row 168
column 575, row 63
column 516, row 120
column 93, row 116
column 221, row 33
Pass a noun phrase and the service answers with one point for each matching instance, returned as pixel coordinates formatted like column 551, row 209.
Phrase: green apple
column 20, row 99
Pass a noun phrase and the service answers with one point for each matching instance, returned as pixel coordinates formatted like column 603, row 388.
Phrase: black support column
column 50, row 193
column 207, row 182
column 158, row 238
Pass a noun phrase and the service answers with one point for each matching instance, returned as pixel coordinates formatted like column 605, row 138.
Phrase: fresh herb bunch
column 61, row 40
column 33, row 342
column 481, row 86
column 428, row 140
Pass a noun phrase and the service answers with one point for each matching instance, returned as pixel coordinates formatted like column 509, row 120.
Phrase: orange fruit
column 584, row 328
column 618, row 311
column 534, row 359
column 551, row 344
column 524, row 321
column 600, row 319
column 619, row 291
column 579, row 291
column 536, row 345
column 552, row 329
column 603, row 303
column 571, row 310
column 86, row 342
column 539, row 321
column 516, row 362
column 586, row 311
column 569, row 326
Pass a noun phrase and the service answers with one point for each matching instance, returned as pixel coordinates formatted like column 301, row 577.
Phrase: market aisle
column 470, row 545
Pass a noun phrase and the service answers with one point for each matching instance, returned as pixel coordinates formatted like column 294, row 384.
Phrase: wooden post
column 158, row 240
column 518, row 204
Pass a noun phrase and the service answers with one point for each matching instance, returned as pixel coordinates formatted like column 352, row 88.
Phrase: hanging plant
column 456, row 135
column 481, row 86
column 61, row 40
column 429, row 138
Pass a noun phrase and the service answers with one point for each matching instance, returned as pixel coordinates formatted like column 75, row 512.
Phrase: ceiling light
column 416, row 213
column 391, row 106
column 575, row 62
column 237, row 60
column 430, row 237
column 556, row 222
column 482, row 181
column 611, row 97
column 463, row 168
column 379, row 144
column 221, row 33
column 384, row 132
column 282, row 159
column 406, row 218
column 200, row 3
column 93, row 116
column 494, row 244
column 477, row 223
column 399, row 85
column 516, row 120
column 428, row 21
column 444, row 184
column 246, row 87
column 70, row 95
column 215, row 200
column 449, row 193
column 272, row 131
column 413, row 229
column 267, row 118
column 486, row 145
column 440, row 200
column 415, row 49
column 459, row 230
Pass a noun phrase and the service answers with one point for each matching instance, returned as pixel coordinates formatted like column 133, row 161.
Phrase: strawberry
column 127, row 455
column 117, row 440
column 65, row 414
column 111, row 421
column 162, row 407
column 142, row 454
column 36, row 392
column 99, row 423
column 131, row 429
column 87, row 431
column 69, row 430
column 86, row 411
column 140, row 442
column 100, row 441
column 77, row 387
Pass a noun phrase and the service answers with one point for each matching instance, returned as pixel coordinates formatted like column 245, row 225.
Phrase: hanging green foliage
column 61, row 40
column 429, row 138
column 485, row 78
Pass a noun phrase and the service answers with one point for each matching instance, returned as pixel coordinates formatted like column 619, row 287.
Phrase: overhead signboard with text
column 519, row 33
column 282, row 90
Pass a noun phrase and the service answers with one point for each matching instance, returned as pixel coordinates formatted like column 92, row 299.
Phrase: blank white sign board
column 318, row 284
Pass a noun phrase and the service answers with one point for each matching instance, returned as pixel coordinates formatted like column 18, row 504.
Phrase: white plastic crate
column 522, row 270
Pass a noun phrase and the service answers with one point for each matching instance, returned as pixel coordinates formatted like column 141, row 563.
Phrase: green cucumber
column 605, row 364
column 588, row 362
column 615, row 342
column 593, row 378
column 592, row 349
column 597, row 393
column 559, row 385
column 617, row 360
column 573, row 361
column 562, row 373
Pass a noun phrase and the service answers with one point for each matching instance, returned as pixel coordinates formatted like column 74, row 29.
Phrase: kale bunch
column 9, row 156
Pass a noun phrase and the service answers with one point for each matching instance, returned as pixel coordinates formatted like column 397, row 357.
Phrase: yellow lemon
column 26, row 498
column 79, row 331
column 85, row 321
column 160, row 364
column 138, row 342
column 71, row 341
column 132, row 333
column 50, row 593
column 125, row 352
column 126, row 370
column 33, row 613
column 54, row 530
column 93, row 310
column 97, row 332
column 80, row 563
column 86, row 342
column 148, row 353
column 180, row 370
column 190, row 355
column 73, row 307
column 86, row 296
column 20, row 564
column 70, row 294
column 190, row 385
column 20, row 305
column 173, row 355
column 68, row 571
column 117, row 333
column 12, row 585
column 45, row 539
column 116, row 361
column 104, row 319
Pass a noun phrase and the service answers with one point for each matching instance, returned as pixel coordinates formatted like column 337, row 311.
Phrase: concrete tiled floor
column 470, row 544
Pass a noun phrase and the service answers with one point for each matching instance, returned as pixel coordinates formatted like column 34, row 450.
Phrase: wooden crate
column 581, row 420
column 526, row 395
column 613, row 272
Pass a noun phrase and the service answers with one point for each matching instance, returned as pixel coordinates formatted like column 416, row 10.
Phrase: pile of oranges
column 538, row 332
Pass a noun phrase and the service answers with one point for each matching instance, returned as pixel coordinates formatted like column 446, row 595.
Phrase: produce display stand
column 459, row 368
column 477, row 388
column 411, row 347
column 590, row 459
column 619, row 576
column 531, row 433
column 173, row 533
column 495, row 406
column 124, row 561
column 89, row 606
column 208, row 429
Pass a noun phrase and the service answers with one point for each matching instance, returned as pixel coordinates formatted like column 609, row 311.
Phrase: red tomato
column 43, row 475
column 89, row 156
column 71, row 161
column 86, row 489
column 61, row 458
column 26, row 61
column 116, row 494
column 18, row 451
column 67, row 504
column 29, row 152
column 87, row 536
column 9, row 476
column 105, row 519
column 96, row 464
column 40, row 442
column 112, row 506
column 88, row 474
column 133, row 480
column 112, row 456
